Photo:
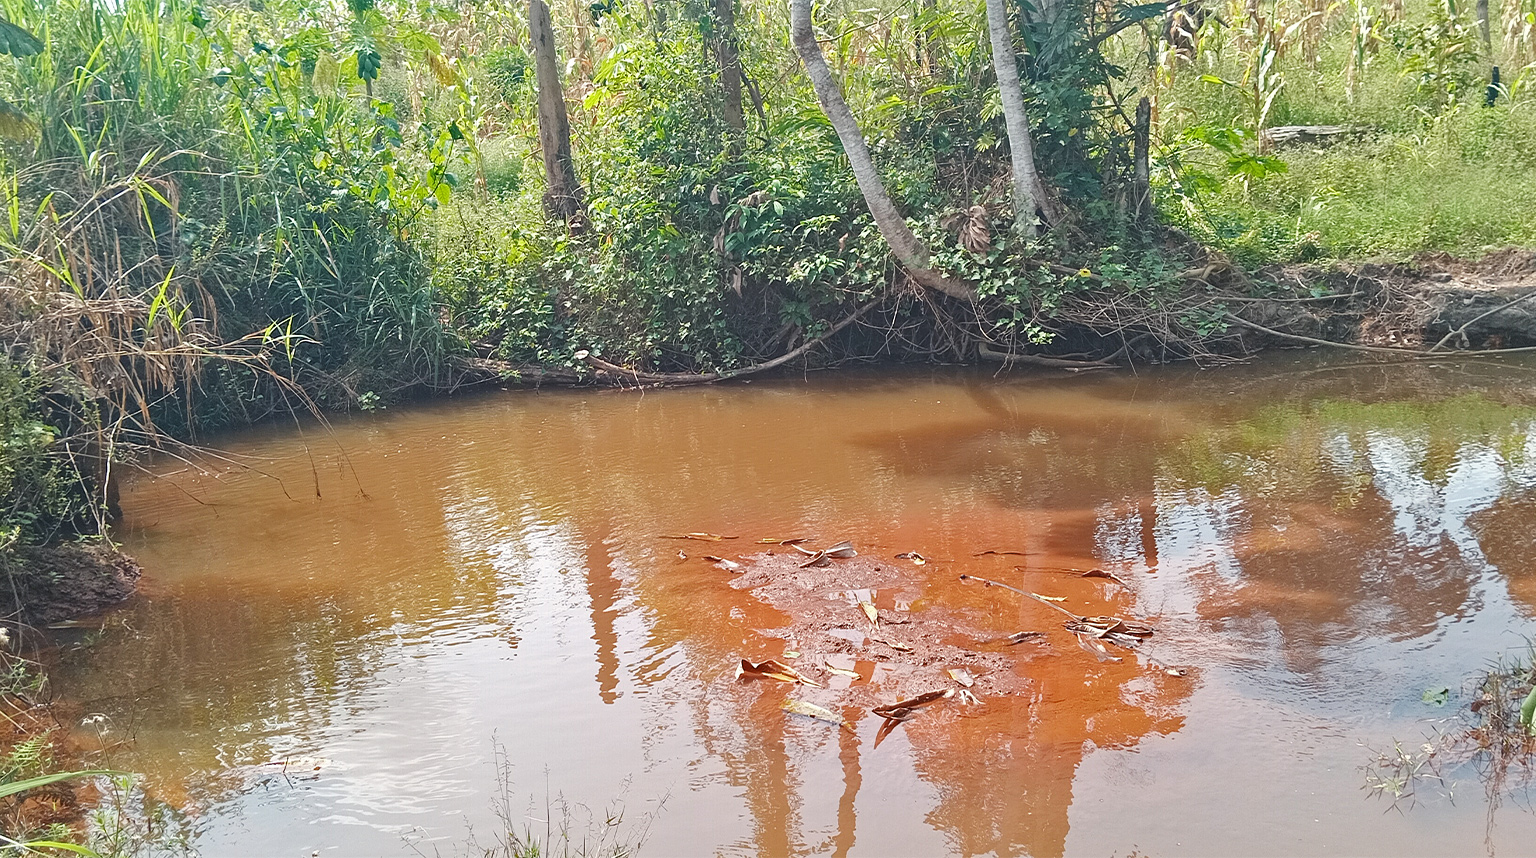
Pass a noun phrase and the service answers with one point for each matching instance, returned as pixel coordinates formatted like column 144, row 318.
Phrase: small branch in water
column 988, row 582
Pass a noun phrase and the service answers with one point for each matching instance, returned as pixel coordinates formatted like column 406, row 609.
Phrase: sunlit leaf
column 870, row 612
column 917, row 559
column 811, row 710
column 962, row 676
column 842, row 550
column 727, row 565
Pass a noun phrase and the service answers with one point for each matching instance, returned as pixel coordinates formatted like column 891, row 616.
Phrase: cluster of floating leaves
column 1093, row 634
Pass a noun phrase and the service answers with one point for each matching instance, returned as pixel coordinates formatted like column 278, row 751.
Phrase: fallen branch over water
column 619, row 375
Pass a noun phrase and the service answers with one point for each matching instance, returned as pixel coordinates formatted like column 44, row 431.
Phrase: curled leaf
column 840, row 671
column 917, row 559
column 842, row 550
column 727, row 565
column 962, row 676
column 1100, row 573
column 1020, row 637
column 900, row 709
column 811, row 710
column 773, row 669
column 819, row 558
column 895, row 645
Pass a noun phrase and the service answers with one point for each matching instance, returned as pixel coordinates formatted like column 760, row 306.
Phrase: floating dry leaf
column 840, row 671
column 1020, row 637
column 870, row 612
column 1104, row 627
column 917, row 559
column 896, row 709
column 727, row 565
column 790, row 654
column 1179, row 671
column 842, row 550
column 1100, row 573
column 1000, row 553
column 806, row 551
column 1094, row 646
column 962, row 676
column 682, row 555
column 895, row 645
column 819, row 558
column 811, row 710
column 966, row 698
column 794, row 540
column 1049, row 598
column 702, row 537
column 773, row 669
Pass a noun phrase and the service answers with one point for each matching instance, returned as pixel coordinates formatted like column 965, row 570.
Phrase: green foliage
column 43, row 494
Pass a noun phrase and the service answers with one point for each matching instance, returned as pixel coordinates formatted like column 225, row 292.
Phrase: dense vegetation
column 215, row 212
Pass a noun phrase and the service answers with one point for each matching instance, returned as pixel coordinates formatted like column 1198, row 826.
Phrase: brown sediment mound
column 48, row 584
column 907, row 650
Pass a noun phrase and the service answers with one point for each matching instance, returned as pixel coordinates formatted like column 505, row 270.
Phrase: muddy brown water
column 360, row 642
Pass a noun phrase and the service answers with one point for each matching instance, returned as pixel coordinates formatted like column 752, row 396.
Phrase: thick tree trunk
column 728, row 52
column 562, row 193
column 1028, row 190
column 893, row 227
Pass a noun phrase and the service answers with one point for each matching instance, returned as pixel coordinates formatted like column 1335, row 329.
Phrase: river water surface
column 397, row 605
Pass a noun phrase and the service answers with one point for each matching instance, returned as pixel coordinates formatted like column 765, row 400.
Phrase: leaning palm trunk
column 1028, row 190
column 893, row 227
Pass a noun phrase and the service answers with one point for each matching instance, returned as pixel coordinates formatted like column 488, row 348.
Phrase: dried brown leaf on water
column 1106, row 626
column 927, row 699
column 917, row 559
column 727, row 565
column 819, row 558
column 1020, row 637
column 1095, row 647
column 794, row 540
column 962, row 676
column 840, row 671
column 1049, row 598
column 702, row 537
column 1001, row 553
column 773, row 669
column 811, row 710
column 806, row 551
column 895, row 645
column 842, row 550
column 1100, row 573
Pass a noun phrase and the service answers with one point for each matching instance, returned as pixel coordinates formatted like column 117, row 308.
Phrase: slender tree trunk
column 728, row 52
column 1028, row 190
column 1141, row 173
column 562, row 193
column 1482, row 26
column 912, row 254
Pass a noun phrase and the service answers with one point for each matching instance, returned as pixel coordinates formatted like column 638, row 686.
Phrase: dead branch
column 620, row 374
